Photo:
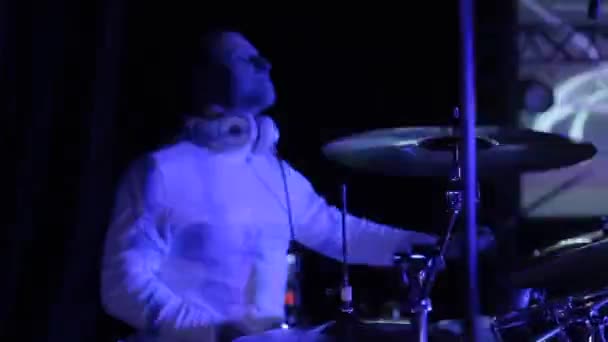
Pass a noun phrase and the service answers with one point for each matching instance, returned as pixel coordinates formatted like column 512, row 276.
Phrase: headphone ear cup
column 234, row 132
column 223, row 133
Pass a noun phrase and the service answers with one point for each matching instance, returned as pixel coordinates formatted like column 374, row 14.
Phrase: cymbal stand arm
column 421, row 269
column 426, row 278
column 454, row 196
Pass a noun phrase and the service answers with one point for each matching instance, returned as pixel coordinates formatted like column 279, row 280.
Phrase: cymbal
column 573, row 265
column 427, row 151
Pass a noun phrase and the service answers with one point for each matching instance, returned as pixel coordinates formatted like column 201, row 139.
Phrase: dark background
column 88, row 87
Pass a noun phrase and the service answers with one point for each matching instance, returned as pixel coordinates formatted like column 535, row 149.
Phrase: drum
column 375, row 331
column 362, row 331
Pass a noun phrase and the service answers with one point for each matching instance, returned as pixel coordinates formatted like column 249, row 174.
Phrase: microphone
column 593, row 9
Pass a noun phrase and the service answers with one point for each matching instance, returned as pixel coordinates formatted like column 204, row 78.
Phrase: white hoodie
column 199, row 238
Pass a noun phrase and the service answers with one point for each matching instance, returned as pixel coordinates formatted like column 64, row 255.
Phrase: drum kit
column 463, row 153
column 437, row 152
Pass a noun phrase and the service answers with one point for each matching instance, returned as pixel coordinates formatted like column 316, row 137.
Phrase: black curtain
column 9, row 242
column 69, row 64
column 88, row 86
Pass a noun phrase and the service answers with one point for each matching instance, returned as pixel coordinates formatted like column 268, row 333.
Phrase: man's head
column 231, row 74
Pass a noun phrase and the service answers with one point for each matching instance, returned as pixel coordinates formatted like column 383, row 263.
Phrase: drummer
column 196, row 249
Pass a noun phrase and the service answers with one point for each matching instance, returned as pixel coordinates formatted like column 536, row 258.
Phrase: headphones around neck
column 233, row 133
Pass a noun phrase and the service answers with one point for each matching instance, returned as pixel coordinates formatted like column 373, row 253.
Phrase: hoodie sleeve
column 318, row 226
column 136, row 243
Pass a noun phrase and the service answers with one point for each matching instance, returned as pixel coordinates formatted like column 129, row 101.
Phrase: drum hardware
column 346, row 326
column 346, row 292
column 436, row 151
column 502, row 149
column 571, row 319
column 421, row 268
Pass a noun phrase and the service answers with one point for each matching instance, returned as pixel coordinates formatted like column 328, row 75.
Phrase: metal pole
column 468, row 100
column 422, row 322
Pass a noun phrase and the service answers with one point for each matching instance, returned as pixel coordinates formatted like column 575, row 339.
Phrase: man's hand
column 427, row 244
column 455, row 250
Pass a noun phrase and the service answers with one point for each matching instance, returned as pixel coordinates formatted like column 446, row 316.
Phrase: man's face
column 252, row 88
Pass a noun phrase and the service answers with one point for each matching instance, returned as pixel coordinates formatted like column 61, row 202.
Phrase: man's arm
column 136, row 244
column 318, row 226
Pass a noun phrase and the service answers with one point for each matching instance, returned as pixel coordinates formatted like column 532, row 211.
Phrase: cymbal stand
column 346, row 292
column 421, row 269
column 346, row 324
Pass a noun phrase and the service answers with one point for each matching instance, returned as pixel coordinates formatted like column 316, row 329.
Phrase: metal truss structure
column 544, row 43
column 560, row 32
